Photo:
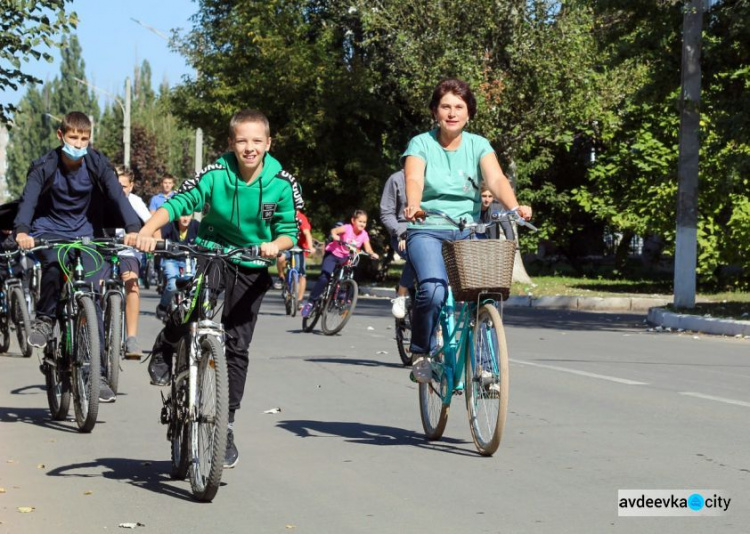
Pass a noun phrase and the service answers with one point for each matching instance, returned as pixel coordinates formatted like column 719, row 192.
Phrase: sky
column 112, row 44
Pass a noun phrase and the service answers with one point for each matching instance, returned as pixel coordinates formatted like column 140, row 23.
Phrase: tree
column 39, row 113
column 26, row 28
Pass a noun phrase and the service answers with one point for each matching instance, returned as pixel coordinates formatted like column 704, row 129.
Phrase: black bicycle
column 336, row 304
column 196, row 410
column 14, row 303
column 72, row 358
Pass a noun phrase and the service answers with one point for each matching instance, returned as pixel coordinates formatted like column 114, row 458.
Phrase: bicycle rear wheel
column 19, row 313
column 208, row 432
column 487, row 381
column 178, row 418
column 339, row 307
column 56, row 377
column 403, row 339
column 113, row 339
column 86, row 365
column 432, row 409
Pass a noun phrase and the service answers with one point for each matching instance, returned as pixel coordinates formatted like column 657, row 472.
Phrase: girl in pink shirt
column 337, row 252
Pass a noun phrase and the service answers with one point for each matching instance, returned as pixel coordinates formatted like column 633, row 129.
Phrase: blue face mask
column 74, row 153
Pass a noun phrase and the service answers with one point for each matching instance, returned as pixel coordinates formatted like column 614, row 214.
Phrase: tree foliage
column 29, row 30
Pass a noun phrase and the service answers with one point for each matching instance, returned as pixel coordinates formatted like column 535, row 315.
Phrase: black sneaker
column 158, row 370
column 232, row 456
column 105, row 392
column 41, row 331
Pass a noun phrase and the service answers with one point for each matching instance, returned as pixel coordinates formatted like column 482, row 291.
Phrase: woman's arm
column 500, row 185
column 414, row 168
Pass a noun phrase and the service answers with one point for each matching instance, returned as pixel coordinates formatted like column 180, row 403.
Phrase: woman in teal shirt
column 444, row 168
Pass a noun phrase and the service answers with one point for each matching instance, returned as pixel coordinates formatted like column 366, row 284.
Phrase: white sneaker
column 399, row 307
column 421, row 369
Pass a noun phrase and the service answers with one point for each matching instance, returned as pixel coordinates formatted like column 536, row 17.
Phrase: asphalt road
column 597, row 404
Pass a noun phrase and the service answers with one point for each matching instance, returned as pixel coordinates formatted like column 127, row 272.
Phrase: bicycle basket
column 479, row 266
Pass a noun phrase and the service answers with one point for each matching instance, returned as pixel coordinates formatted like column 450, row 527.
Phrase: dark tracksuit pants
column 243, row 293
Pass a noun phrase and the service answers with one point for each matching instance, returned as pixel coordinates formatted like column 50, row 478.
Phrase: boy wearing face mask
column 67, row 193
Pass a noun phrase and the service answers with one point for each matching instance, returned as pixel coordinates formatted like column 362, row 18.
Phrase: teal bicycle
column 471, row 356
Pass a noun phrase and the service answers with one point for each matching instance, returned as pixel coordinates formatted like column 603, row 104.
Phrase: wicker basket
column 479, row 266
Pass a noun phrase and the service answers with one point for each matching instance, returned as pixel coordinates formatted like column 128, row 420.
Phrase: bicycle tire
column 4, row 333
column 487, row 381
column 403, row 340
column 432, row 410
column 113, row 339
column 179, row 427
column 308, row 323
column 208, row 432
column 19, row 314
column 293, row 289
column 339, row 307
column 285, row 295
column 146, row 275
column 56, row 378
column 86, row 371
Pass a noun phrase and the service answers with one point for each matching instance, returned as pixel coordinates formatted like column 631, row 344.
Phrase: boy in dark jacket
column 183, row 230
column 67, row 193
column 246, row 199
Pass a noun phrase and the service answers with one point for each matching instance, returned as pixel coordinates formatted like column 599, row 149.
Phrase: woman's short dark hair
column 459, row 88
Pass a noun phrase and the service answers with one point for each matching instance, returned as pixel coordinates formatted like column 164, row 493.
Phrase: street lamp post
column 125, row 115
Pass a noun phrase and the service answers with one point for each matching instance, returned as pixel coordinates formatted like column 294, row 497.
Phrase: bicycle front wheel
column 487, row 381
column 19, row 313
column 293, row 301
column 432, row 409
column 113, row 339
column 86, row 365
column 308, row 323
column 208, row 431
column 339, row 307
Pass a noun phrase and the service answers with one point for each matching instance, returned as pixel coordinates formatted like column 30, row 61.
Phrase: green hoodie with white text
column 234, row 213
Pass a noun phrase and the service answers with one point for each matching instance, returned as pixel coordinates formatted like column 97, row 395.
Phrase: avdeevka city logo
column 672, row 502
column 696, row 501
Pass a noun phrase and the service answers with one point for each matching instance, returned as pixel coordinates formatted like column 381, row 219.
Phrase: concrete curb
column 657, row 315
column 696, row 323
column 559, row 302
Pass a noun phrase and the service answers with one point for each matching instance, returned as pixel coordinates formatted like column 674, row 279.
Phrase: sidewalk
column 653, row 306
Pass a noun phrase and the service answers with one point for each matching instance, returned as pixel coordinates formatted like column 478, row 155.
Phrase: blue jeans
column 171, row 270
column 407, row 274
column 426, row 255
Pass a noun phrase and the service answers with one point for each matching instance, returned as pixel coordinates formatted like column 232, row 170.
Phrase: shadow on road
column 372, row 435
column 34, row 416
column 356, row 361
column 145, row 474
column 26, row 390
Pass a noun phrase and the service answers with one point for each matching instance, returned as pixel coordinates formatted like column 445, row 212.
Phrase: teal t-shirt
column 452, row 177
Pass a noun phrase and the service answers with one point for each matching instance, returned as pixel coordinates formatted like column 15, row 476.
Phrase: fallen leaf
column 11, row 461
column 131, row 525
column 88, row 492
column 273, row 410
column 371, row 328
column 290, row 527
column 26, row 509
column 41, row 466
column 382, row 352
column 2, row 490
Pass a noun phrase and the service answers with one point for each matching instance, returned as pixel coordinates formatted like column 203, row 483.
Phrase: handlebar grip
column 162, row 245
column 420, row 215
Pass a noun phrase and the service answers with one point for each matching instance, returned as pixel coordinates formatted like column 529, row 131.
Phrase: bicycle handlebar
column 251, row 253
column 497, row 218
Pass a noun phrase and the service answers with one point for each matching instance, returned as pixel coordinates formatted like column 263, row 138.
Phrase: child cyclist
column 71, row 192
column 305, row 242
column 246, row 199
column 337, row 252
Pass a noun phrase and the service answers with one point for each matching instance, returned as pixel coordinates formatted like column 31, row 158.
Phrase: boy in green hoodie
column 246, row 199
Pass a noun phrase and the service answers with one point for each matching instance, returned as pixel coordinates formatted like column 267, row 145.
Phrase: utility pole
column 198, row 150
column 686, row 245
column 126, row 126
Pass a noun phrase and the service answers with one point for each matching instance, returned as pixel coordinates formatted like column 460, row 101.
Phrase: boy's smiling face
column 250, row 144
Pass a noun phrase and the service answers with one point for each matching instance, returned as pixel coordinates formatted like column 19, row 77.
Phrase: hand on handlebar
column 269, row 250
column 524, row 212
column 143, row 242
column 25, row 241
column 411, row 212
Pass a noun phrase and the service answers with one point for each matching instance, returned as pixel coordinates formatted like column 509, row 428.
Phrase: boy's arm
column 29, row 200
column 191, row 195
column 308, row 237
column 388, row 207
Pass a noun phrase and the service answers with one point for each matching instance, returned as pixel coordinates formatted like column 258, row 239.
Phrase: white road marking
column 625, row 381
column 717, row 399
